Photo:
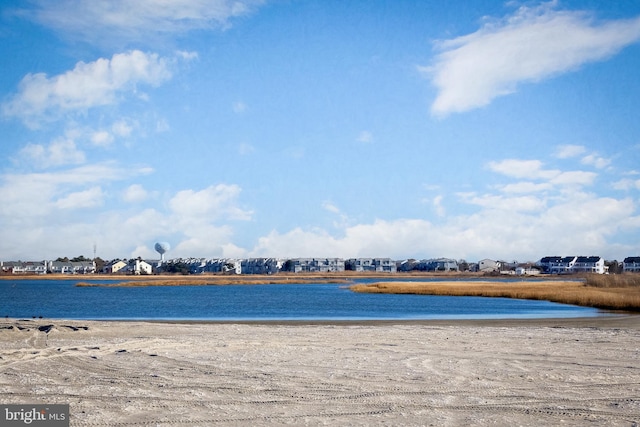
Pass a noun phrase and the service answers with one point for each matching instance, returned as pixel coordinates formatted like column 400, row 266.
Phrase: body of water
column 62, row 299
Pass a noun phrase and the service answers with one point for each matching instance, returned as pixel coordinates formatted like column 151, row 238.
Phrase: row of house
column 275, row 265
column 44, row 267
column 578, row 264
column 548, row 265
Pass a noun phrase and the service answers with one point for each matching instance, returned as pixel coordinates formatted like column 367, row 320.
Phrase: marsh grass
column 566, row 292
column 628, row 280
column 213, row 281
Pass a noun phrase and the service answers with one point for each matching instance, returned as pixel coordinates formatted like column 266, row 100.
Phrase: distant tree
column 288, row 265
column 615, row 267
column 80, row 259
column 463, row 265
column 176, row 268
column 65, row 259
column 100, row 263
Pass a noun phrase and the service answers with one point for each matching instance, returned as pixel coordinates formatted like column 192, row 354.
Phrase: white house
column 589, row 264
column 72, row 267
column 319, row 265
column 380, row 265
column 20, row 267
column 260, row 266
column 573, row 264
column 142, row 267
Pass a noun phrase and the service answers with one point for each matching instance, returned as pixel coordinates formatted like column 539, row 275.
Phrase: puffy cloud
column 505, row 229
column 212, row 203
column 531, row 45
column 122, row 128
column 101, row 138
column 62, row 151
column 627, row 184
column 135, row 193
column 36, row 195
column 88, row 85
column 81, row 199
column 596, row 161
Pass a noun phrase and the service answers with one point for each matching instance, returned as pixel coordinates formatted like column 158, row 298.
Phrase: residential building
column 488, row 266
column 380, row 265
column 631, row 264
column 589, row 264
column 438, row 264
column 20, row 267
column 114, row 267
column 317, row 265
column 72, row 267
column 260, row 266
column 572, row 264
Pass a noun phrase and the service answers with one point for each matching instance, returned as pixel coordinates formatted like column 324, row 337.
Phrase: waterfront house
column 72, row 267
column 572, row 264
column 589, row 264
column 20, row 267
column 260, row 266
column 439, row 264
column 379, row 265
column 114, row 267
column 631, row 264
column 488, row 266
column 319, row 265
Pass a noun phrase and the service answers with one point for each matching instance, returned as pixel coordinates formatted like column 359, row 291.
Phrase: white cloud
column 525, row 187
column 81, row 199
column 212, row 203
column 135, row 193
column 122, row 128
column 627, row 184
column 101, row 138
column 496, row 202
column 88, row 85
column 529, row 46
column 137, row 20
column 437, row 206
column 528, row 169
column 566, row 151
column 330, row 207
column 60, row 152
column 581, row 224
column 574, row 178
column 596, row 161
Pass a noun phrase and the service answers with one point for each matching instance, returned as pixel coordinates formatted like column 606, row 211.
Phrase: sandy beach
column 571, row 372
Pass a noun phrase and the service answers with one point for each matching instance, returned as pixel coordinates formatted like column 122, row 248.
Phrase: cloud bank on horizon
column 231, row 129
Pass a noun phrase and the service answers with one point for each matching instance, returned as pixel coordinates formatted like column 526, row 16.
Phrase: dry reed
column 565, row 292
column 213, row 281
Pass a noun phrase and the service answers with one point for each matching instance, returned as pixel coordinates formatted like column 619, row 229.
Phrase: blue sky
column 406, row 129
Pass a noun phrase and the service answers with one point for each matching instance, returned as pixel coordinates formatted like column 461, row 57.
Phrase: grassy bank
column 607, row 295
column 213, row 281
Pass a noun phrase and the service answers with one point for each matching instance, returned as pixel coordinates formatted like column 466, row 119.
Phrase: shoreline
column 607, row 320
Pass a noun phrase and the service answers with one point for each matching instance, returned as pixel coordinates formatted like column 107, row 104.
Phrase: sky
column 299, row 128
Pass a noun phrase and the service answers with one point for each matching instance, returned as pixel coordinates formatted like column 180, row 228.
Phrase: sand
column 551, row 372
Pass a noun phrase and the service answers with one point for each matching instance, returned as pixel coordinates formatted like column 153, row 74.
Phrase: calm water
column 61, row 299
